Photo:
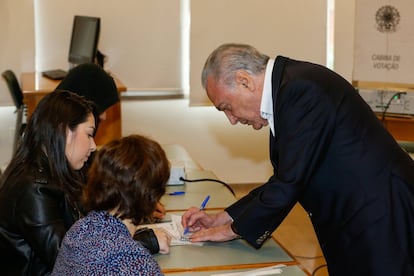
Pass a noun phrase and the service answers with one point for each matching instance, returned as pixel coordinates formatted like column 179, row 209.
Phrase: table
column 401, row 127
column 213, row 257
column 177, row 155
column 235, row 254
column 195, row 192
column 292, row 270
column 35, row 87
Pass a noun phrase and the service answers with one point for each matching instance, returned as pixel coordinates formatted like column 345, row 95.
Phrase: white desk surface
column 236, row 254
column 177, row 155
column 195, row 192
column 292, row 270
column 222, row 255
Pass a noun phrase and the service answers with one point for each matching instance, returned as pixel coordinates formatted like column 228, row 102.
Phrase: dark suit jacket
column 331, row 154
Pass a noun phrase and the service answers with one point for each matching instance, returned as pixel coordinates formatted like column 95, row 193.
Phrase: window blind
column 295, row 28
column 141, row 39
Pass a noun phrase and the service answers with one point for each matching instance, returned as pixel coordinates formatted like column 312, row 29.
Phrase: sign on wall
column 384, row 41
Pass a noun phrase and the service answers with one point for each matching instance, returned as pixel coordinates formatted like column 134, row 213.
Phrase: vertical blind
column 17, row 41
column 141, row 39
column 294, row 28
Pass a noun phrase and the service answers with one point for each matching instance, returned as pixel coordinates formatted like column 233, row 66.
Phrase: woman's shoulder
column 17, row 181
column 26, row 196
column 27, row 183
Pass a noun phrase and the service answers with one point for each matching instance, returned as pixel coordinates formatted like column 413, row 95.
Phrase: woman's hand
column 164, row 241
column 159, row 212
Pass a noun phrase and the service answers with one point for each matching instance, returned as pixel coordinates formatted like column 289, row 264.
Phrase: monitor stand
column 72, row 65
column 100, row 58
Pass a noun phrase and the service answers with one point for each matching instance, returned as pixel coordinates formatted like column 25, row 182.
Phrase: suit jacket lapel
column 277, row 75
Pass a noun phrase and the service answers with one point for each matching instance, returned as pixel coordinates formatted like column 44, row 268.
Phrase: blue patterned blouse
column 100, row 244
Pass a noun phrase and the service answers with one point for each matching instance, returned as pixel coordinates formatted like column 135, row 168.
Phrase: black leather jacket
column 34, row 217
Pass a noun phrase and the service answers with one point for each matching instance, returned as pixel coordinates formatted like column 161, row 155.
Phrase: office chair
column 17, row 96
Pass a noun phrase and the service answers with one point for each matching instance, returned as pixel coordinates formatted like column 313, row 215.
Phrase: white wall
column 273, row 27
column 344, row 37
column 141, row 39
column 7, row 123
column 17, row 41
column 236, row 154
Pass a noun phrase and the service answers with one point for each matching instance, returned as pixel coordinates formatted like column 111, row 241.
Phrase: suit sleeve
column 41, row 220
column 303, row 124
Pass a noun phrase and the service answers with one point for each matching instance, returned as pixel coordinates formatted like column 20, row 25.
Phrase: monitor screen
column 84, row 41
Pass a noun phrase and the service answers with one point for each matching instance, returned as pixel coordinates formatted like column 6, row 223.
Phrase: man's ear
column 243, row 78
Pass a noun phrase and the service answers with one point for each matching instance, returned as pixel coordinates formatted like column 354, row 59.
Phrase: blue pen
column 202, row 207
column 204, row 203
column 177, row 193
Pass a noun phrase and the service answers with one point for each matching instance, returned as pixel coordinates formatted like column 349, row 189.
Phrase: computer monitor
column 84, row 41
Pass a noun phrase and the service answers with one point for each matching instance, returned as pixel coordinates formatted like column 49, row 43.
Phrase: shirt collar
column 266, row 106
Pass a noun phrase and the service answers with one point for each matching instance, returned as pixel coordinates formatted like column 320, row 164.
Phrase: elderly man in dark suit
column 330, row 153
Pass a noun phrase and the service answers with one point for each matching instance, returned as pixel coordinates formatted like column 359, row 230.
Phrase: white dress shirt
column 266, row 107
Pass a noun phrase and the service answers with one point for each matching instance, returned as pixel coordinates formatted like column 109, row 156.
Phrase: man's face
column 240, row 103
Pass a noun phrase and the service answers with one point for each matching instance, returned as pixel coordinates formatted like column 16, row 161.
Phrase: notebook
column 56, row 74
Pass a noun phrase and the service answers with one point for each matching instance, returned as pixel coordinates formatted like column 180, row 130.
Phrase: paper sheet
column 174, row 229
column 270, row 270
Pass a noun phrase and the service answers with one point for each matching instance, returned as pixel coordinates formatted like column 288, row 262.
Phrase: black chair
column 17, row 96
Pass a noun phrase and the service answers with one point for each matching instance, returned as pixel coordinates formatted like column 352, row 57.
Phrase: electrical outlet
column 397, row 102
column 177, row 172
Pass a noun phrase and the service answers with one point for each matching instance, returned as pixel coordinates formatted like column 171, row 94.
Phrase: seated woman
column 126, row 180
column 41, row 187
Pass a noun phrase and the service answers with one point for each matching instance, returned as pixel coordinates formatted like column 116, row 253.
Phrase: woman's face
column 80, row 143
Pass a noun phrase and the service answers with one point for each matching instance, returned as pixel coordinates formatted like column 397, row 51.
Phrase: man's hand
column 208, row 227
column 196, row 219
column 217, row 234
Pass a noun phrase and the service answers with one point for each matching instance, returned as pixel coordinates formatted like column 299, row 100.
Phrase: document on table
column 270, row 270
column 174, row 229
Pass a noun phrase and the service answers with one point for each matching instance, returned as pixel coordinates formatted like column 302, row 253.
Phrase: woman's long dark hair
column 44, row 138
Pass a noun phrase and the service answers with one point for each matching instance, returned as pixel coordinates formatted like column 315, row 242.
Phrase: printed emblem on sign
column 387, row 18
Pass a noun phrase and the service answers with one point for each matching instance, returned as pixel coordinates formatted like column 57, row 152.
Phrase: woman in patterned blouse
column 126, row 180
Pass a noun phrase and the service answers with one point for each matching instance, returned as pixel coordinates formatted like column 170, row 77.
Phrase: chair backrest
column 94, row 83
column 14, row 87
